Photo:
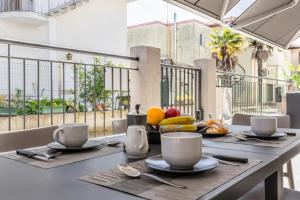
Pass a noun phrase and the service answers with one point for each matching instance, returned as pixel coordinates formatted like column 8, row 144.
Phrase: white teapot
column 136, row 142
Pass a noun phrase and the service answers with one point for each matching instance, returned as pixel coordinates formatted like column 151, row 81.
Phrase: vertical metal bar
column 168, row 87
column 188, row 91
column 104, row 109
column 175, row 92
column 51, row 91
column 64, row 93
column 180, row 90
column 184, row 103
column 120, row 92
column 94, row 94
column 161, row 86
column 38, row 91
column 75, row 92
column 112, row 93
column 192, row 92
column 199, row 89
column 9, row 92
column 171, row 86
column 85, row 107
column 128, row 89
column 24, row 93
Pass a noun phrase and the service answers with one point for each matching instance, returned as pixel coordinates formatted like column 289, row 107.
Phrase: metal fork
column 241, row 137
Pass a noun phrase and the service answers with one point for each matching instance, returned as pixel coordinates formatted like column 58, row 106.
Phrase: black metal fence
column 180, row 88
column 253, row 95
column 36, row 92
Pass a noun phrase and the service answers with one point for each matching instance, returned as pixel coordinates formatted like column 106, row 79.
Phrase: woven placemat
column 198, row 185
column 279, row 143
column 64, row 158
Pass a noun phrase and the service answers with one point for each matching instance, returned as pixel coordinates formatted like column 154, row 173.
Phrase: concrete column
column 145, row 82
column 208, row 85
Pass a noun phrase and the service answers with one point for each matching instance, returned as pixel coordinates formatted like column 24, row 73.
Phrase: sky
column 143, row 11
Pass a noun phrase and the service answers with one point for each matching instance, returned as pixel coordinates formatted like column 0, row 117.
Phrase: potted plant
column 294, row 76
column 92, row 86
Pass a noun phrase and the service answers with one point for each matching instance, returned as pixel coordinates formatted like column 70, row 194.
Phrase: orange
column 155, row 115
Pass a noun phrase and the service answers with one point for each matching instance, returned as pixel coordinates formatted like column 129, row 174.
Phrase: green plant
column 294, row 75
column 261, row 53
column 92, row 86
column 2, row 100
column 225, row 45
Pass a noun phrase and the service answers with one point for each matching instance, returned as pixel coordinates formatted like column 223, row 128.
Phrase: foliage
column 260, row 52
column 225, row 45
column 94, row 92
column 2, row 100
column 294, row 75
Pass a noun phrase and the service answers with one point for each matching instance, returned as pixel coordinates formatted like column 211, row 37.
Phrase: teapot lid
column 137, row 111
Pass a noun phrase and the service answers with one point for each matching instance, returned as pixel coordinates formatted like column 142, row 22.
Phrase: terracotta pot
column 99, row 107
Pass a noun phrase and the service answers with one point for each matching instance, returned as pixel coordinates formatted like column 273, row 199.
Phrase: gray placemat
column 279, row 143
column 198, row 185
column 64, row 158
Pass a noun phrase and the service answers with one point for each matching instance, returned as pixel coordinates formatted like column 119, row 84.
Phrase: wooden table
column 21, row 181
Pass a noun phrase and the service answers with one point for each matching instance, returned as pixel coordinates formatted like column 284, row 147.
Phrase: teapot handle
column 142, row 145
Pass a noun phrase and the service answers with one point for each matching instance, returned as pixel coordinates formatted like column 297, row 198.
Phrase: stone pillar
column 145, row 82
column 208, row 85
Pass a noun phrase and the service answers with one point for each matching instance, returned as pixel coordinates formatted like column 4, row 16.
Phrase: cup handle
column 56, row 134
column 142, row 145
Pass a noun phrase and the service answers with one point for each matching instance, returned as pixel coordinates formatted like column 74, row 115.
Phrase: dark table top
column 22, row 181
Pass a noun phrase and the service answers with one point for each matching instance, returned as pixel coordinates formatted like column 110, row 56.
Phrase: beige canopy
column 213, row 8
column 275, row 21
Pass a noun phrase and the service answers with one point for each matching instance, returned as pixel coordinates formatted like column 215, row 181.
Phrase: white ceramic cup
column 71, row 135
column 263, row 126
column 181, row 150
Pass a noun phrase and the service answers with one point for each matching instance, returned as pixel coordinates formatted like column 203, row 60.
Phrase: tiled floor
column 296, row 170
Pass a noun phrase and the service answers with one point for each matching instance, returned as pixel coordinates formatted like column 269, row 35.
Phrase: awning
column 213, row 8
column 275, row 21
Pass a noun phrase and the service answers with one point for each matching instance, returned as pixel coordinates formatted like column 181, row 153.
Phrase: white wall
column 98, row 25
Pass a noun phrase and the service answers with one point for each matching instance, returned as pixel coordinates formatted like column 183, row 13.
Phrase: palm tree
column 224, row 47
column 261, row 53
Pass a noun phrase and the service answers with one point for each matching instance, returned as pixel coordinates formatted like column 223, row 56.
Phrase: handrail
column 179, row 67
column 249, row 76
column 58, row 48
column 66, row 62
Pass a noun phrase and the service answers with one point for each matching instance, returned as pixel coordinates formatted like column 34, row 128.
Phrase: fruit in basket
column 155, row 115
column 178, row 120
column 172, row 112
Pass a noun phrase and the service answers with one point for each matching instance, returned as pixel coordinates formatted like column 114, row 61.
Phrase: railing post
column 207, row 85
column 9, row 87
column 145, row 82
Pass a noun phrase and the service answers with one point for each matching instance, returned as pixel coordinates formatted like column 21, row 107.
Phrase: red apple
column 172, row 112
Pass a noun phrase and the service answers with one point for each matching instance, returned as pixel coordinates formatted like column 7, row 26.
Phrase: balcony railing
column 180, row 88
column 254, row 95
column 37, row 6
column 37, row 92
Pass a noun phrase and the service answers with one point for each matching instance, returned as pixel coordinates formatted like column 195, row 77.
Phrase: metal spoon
column 134, row 173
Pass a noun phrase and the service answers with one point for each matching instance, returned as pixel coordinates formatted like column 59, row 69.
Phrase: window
column 201, row 39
